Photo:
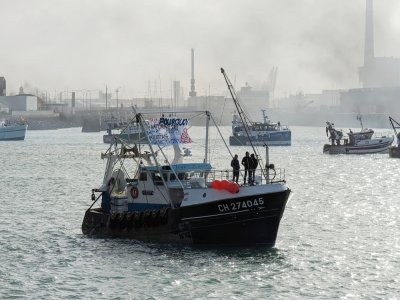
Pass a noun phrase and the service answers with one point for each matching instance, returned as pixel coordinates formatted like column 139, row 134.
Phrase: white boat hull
column 379, row 145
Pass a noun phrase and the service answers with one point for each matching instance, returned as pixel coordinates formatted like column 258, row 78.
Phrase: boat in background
column 13, row 130
column 261, row 133
column 361, row 142
column 394, row 151
column 148, row 195
column 129, row 132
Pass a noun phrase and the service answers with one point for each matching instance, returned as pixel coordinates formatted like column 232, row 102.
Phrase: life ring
column 134, row 192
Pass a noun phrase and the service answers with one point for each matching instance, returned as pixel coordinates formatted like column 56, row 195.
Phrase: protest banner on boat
column 168, row 131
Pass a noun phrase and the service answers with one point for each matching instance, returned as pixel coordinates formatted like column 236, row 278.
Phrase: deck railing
column 275, row 175
column 203, row 179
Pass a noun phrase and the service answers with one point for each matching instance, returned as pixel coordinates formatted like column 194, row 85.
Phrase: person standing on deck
column 246, row 163
column 252, row 168
column 236, row 167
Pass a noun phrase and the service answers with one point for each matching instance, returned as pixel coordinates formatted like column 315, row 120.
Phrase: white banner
column 168, row 131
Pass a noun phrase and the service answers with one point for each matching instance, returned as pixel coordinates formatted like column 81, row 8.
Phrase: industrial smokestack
column 369, row 33
column 73, row 100
column 2, row 86
column 192, row 87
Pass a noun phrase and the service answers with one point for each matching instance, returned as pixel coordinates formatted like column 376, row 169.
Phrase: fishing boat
column 13, row 130
column 261, row 133
column 394, row 151
column 148, row 196
column 128, row 132
column 361, row 142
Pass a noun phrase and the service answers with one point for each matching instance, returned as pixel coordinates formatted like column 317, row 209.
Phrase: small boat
column 362, row 142
column 261, row 133
column 394, row 151
column 13, row 130
column 148, row 196
column 128, row 132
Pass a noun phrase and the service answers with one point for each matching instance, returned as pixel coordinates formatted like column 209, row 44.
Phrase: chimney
column 369, row 33
column 192, row 88
column 73, row 99
column 2, row 86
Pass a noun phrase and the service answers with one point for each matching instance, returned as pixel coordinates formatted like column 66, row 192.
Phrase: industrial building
column 254, row 101
column 380, row 77
column 377, row 71
column 20, row 103
column 370, row 101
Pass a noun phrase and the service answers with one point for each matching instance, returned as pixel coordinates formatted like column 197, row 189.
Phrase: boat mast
column 267, row 162
column 392, row 121
column 207, row 126
column 243, row 117
column 264, row 116
column 359, row 118
column 245, row 121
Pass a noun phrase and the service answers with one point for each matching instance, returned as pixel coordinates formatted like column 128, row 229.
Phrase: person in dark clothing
column 246, row 161
column 252, row 168
column 236, row 167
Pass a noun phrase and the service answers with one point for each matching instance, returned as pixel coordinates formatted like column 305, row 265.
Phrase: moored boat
column 128, row 132
column 261, row 133
column 161, row 199
column 13, row 130
column 361, row 142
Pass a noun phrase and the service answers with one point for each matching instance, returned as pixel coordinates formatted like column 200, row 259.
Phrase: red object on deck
column 233, row 187
column 216, row 184
column 224, row 184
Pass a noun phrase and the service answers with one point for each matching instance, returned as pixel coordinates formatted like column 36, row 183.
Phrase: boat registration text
column 239, row 205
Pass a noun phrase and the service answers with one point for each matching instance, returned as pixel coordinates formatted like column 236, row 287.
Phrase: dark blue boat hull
column 279, row 138
column 211, row 224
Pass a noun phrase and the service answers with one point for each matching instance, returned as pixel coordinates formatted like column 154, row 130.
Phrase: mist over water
column 315, row 44
column 338, row 236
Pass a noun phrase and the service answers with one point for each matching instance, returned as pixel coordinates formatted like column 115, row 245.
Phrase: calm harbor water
column 339, row 236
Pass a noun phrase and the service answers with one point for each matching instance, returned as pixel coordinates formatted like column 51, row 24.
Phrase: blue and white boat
column 261, row 133
column 146, row 194
column 128, row 132
column 13, row 130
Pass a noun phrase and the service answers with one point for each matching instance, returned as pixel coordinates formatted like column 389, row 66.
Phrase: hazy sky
column 85, row 44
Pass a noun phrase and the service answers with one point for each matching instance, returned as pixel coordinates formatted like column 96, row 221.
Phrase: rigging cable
column 244, row 118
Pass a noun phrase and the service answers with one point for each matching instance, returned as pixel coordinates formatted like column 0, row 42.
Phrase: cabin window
column 165, row 175
column 157, row 178
column 172, row 177
column 181, row 176
column 143, row 176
